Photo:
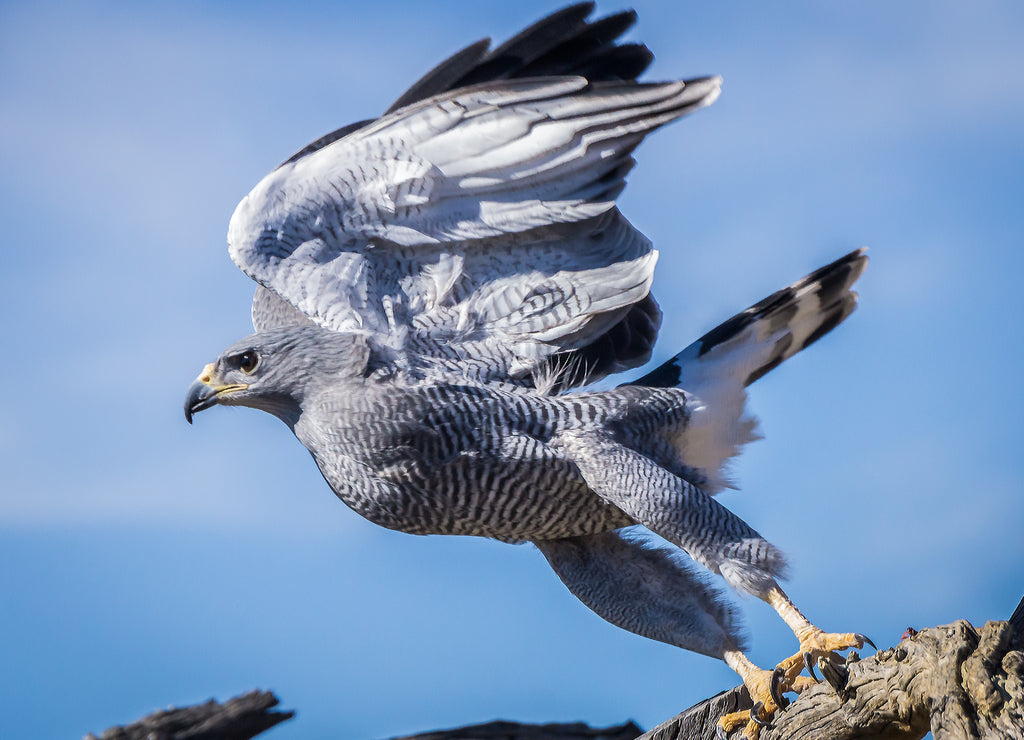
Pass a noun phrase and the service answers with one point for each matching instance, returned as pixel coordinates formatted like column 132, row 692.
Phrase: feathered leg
column 647, row 590
column 715, row 537
column 673, row 508
column 652, row 592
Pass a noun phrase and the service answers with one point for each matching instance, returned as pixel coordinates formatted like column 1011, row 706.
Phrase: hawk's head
column 276, row 369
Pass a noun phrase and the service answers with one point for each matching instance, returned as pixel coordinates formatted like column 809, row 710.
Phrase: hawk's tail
column 717, row 367
column 758, row 339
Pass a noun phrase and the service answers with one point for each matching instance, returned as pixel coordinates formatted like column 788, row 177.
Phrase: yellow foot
column 814, row 644
column 766, row 689
column 729, row 722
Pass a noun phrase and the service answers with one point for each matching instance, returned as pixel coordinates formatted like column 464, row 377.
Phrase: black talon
column 755, row 714
column 810, row 666
column 775, row 688
column 865, row 638
column 835, row 674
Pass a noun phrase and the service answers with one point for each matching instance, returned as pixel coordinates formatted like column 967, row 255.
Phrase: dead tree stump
column 952, row 680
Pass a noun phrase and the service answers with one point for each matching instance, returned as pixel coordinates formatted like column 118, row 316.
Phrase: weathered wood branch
column 502, row 730
column 952, row 680
column 241, row 718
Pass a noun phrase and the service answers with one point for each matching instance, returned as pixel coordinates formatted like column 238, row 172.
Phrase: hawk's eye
column 248, row 360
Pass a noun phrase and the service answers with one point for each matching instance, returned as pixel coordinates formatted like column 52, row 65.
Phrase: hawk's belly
column 457, row 459
column 517, row 491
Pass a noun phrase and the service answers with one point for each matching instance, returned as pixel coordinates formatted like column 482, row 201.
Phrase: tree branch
column 950, row 680
column 501, row 730
column 241, row 718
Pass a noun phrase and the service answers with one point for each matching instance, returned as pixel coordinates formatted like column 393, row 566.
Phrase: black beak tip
column 200, row 396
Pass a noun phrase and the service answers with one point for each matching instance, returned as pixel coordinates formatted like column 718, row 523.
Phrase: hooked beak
column 205, row 392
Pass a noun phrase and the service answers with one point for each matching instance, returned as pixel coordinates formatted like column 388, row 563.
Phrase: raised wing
column 442, row 208
column 476, row 230
column 563, row 43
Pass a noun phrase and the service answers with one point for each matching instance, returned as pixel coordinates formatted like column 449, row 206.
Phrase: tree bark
column 952, row 680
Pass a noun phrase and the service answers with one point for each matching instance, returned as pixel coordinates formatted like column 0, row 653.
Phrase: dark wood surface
column 957, row 682
column 241, row 718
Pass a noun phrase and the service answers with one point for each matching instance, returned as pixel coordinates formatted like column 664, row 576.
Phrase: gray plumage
column 649, row 590
column 432, row 281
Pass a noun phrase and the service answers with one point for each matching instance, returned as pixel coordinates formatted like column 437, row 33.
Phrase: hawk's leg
column 765, row 689
column 648, row 591
column 814, row 643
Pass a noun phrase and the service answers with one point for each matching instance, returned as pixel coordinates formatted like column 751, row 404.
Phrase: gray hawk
column 437, row 285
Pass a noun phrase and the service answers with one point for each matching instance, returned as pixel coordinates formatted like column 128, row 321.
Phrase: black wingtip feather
column 624, row 62
column 561, row 43
column 538, row 37
column 325, row 140
column 530, row 44
column 594, row 39
column 443, row 76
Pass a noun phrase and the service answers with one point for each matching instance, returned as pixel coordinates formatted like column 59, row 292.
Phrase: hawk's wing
column 563, row 43
column 475, row 229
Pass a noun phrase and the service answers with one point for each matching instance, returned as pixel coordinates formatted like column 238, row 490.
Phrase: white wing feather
column 477, row 225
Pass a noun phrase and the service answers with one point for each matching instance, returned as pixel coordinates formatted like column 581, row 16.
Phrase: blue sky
column 148, row 563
